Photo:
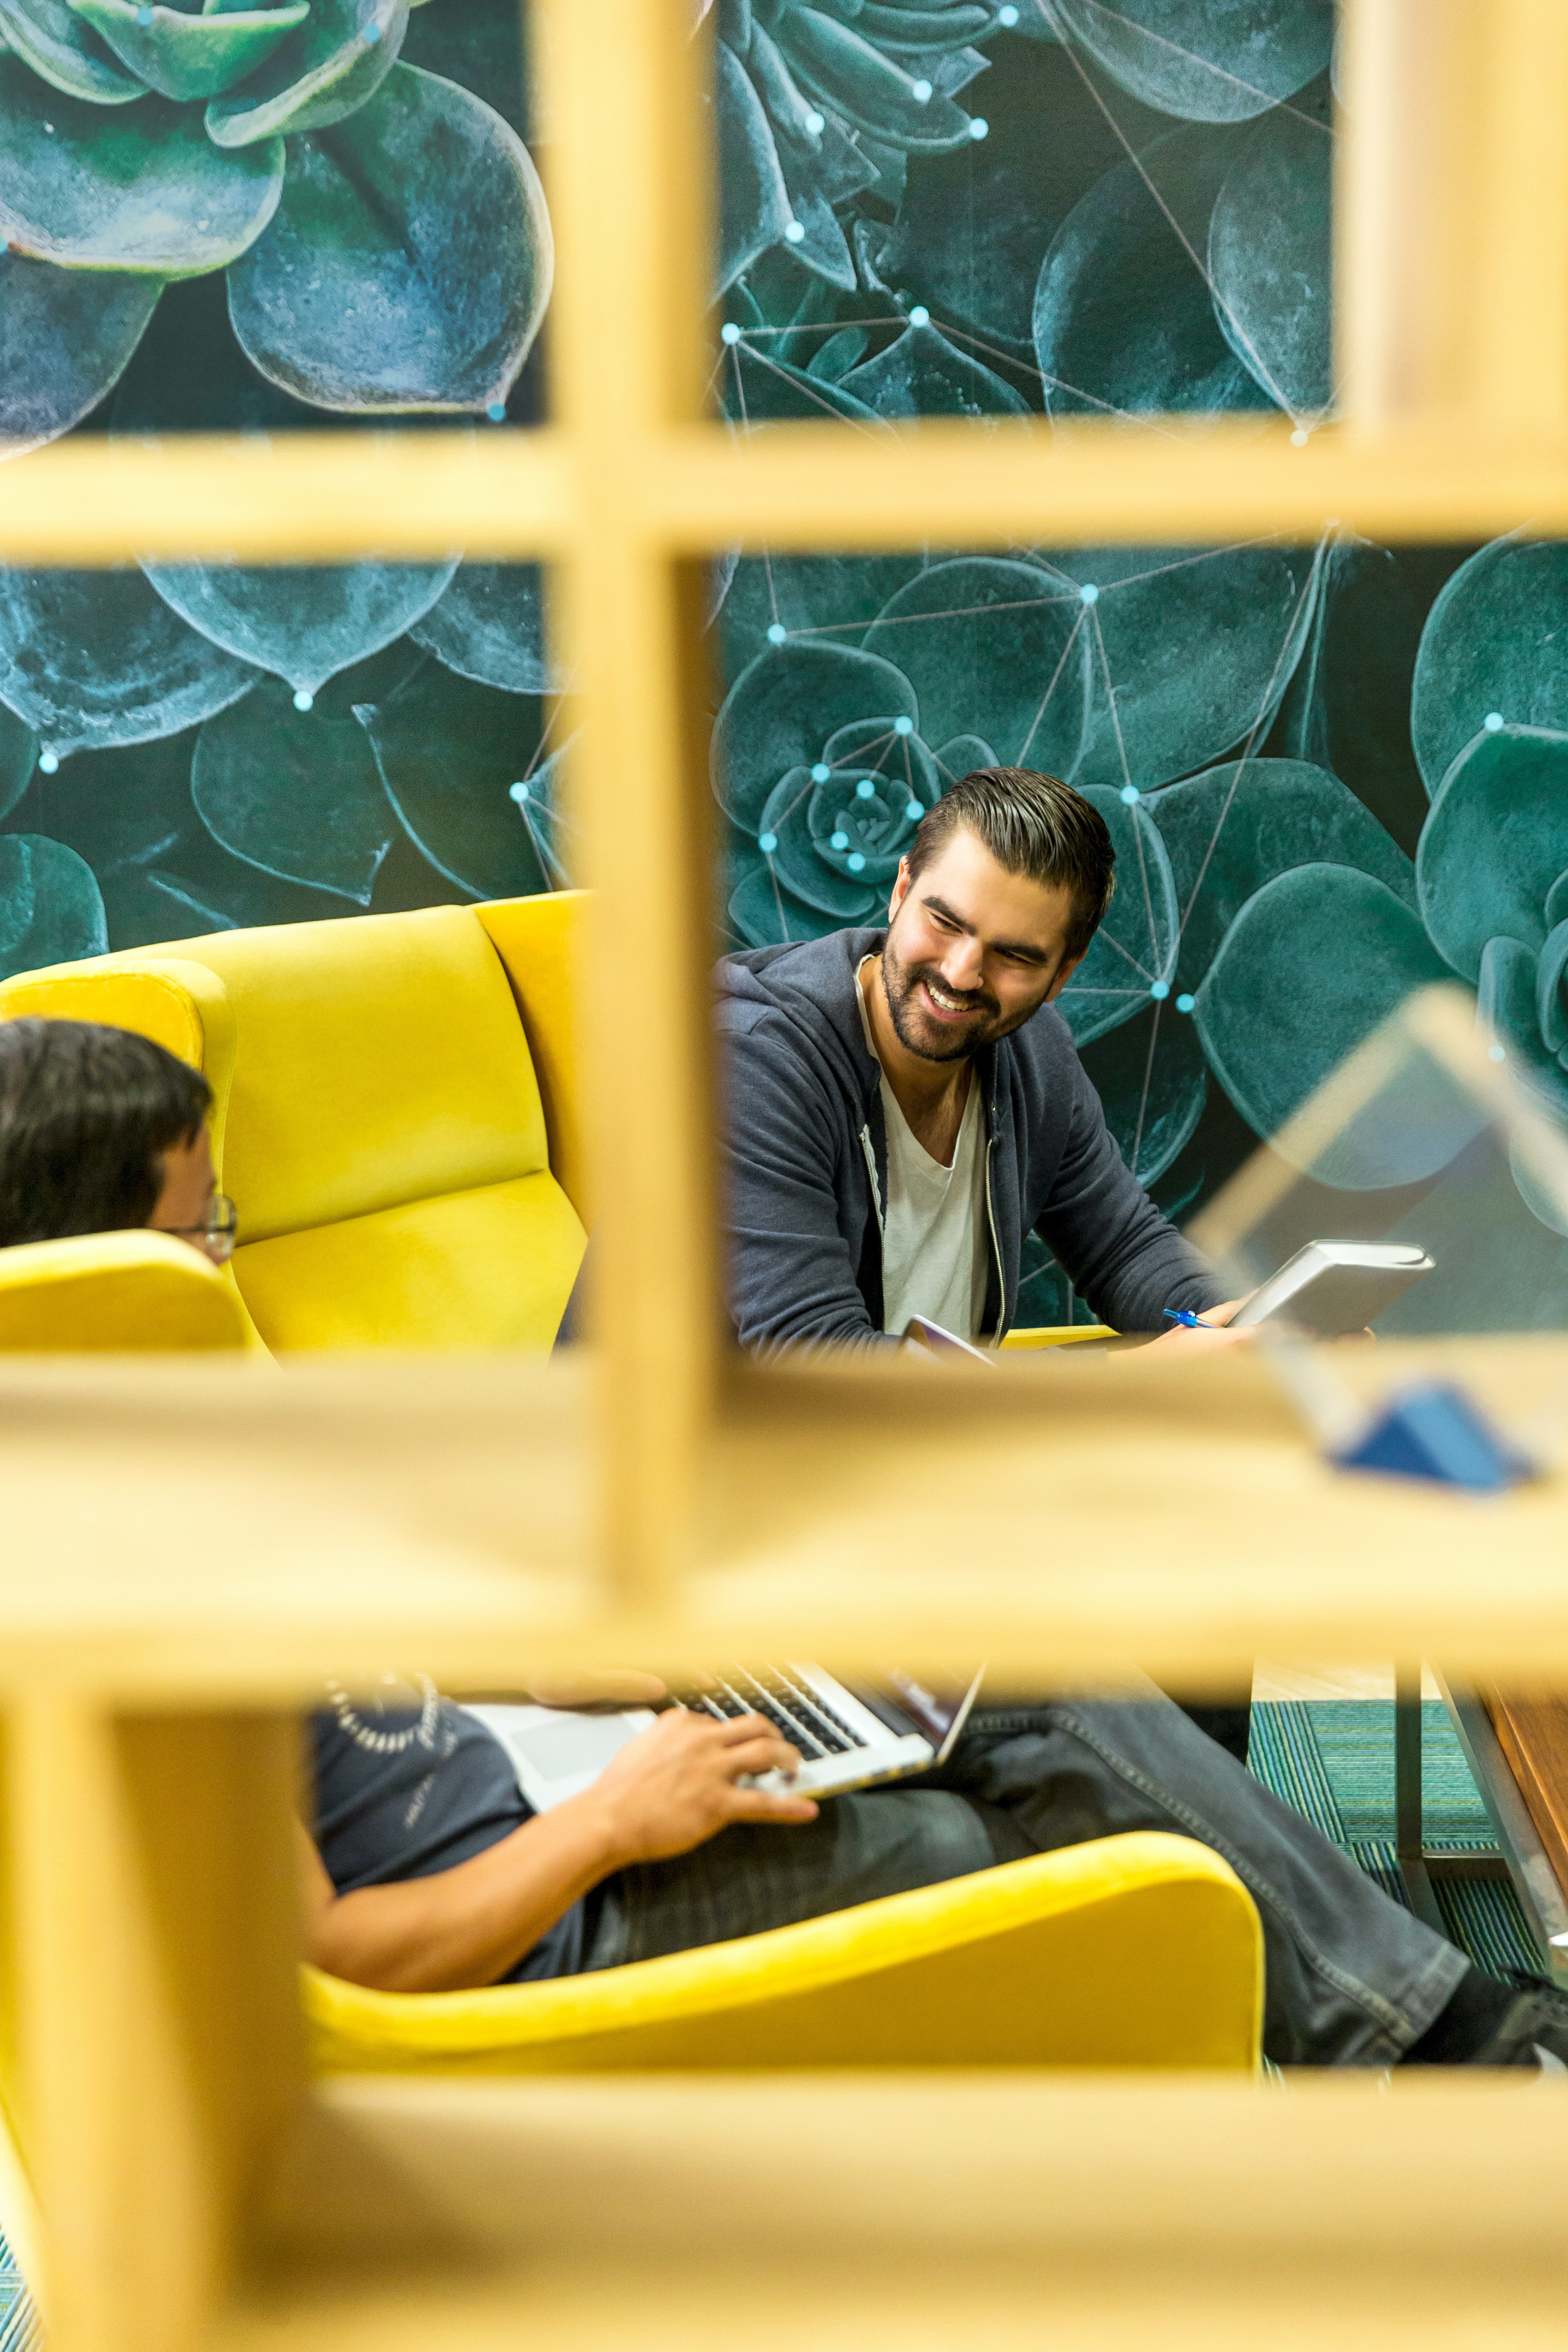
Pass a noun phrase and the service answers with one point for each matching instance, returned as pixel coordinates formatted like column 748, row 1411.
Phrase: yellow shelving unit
column 188, row 1549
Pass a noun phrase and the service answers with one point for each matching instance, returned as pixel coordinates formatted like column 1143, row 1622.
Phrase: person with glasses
column 101, row 1131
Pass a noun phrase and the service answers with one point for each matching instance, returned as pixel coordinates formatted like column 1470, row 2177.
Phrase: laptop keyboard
column 793, row 1710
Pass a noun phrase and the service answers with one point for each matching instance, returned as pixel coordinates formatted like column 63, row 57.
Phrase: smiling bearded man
column 902, row 1107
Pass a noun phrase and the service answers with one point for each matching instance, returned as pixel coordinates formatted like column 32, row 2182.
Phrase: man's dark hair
column 1032, row 825
column 86, row 1112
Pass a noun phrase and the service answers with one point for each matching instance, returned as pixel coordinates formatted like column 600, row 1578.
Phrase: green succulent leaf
column 784, row 707
column 868, row 88
column 1124, row 319
column 185, row 57
column 1211, row 60
column 1135, row 948
column 985, row 641
column 840, row 837
column 1270, row 256
column 837, row 596
column 1347, row 708
column 974, row 223
column 756, row 388
column 303, row 622
column 1235, row 827
column 1285, row 1002
column 922, row 374
column 94, row 658
column 409, row 263
column 298, row 795
column 766, row 915
column 1494, row 844
column 1509, row 1001
column 754, row 207
column 1199, row 646
column 960, row 756
column 141, row 191
column 340, row 56
column 65, row 336
column 1492, row 644
column 490, row 625
column 64, row 53
column 19, row 756
column 51, row 910
column 1150, row 1076
column 464, row 816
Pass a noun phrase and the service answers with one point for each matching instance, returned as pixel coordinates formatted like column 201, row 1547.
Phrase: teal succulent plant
column 382, row 230
column 1332, row 773
column 819, row 104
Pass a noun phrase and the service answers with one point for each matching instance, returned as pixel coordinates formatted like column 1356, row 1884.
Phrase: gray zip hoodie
column 806, row 1163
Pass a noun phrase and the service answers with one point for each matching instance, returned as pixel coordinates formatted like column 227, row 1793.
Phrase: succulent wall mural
column 1332, row 772
column 319, row 214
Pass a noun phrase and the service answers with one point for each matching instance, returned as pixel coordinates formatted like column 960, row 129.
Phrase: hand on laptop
column 674, row 1786
column 1205, row 1337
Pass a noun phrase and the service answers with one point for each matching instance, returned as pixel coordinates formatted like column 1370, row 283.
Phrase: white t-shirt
column 935, row 1230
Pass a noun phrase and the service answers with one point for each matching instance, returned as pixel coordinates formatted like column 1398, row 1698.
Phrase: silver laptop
column 847, row 1738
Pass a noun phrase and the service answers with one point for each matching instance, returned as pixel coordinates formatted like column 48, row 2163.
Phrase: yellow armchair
column 394, row 1112
column 1140, row 1951
column 115, row 1292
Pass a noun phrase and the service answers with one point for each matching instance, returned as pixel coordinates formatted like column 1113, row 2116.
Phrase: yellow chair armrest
column 103, row 1293
column 1057, row 1335
column 1140, row 1951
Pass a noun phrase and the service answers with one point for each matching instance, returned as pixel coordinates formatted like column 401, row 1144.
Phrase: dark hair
column 85, row 1113
column 1032, row 825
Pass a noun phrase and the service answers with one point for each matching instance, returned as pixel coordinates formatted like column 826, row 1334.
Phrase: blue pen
column 1188, row 1320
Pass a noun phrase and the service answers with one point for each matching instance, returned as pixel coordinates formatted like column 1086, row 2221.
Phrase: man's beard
column 913, row 1027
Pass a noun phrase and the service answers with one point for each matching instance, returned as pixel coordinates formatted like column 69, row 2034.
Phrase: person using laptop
column 428, row 1872
column 427, row 1869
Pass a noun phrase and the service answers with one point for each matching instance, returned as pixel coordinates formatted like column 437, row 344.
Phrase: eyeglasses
column 216, row 1233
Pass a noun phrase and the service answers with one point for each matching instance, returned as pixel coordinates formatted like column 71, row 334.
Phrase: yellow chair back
column 377, row 1116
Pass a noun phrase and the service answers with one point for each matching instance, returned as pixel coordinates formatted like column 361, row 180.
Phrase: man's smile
column 944, row 1006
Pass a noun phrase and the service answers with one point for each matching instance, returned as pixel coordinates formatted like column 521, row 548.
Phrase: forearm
column 467, row 1926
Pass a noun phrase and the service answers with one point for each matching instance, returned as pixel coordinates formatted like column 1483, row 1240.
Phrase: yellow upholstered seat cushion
column 1140, row 1951
column 488, row 1268
column 115, row 1292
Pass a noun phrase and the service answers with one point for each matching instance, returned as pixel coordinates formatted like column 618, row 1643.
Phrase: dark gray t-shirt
column 408, row 1784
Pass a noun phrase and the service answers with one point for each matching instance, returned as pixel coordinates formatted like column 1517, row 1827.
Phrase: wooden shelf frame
column 1452, row 320
column 186, row 1551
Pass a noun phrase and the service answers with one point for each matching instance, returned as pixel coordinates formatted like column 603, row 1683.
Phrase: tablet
column 1334, row 1287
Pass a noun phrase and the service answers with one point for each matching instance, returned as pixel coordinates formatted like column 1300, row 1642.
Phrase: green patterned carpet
column 18, row 2321
column 1333, row 1760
